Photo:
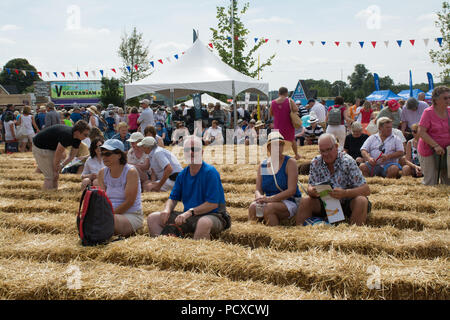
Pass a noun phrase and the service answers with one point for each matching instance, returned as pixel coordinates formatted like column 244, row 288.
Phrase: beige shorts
column 135, row 218
column 28, row 138
column 44, row 160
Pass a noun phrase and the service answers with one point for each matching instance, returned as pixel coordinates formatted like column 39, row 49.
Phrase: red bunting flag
column 16, row 71
column 136, row 67
column 374, row 43
column 86, row 73
column 236, row 38
column 266, row 40
column 211, row 45
column 40, row 74
column 337, row 43
column 412, row 42
column 299, row 42
column 160, row 61
column 63, row 74
column 113, row 70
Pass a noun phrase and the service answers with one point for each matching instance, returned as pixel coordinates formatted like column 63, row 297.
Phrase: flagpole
column 232, row 57
column 259, row 108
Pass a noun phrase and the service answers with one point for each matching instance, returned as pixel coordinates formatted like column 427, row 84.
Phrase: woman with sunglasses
column 412, row 166
column 123, row 187
column 93, row 165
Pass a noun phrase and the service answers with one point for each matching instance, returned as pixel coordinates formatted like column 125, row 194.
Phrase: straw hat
column 275, row 136
column 259, row 123
column 92, row 109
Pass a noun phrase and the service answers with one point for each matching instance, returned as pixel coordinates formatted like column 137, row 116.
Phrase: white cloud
column 274, row 19
column 426, row 17
column 171, row 44
column 6, row 41
column 9, row 27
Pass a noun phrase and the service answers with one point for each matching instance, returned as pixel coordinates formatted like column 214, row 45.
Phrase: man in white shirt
column 318, row 109
column 381, row 152
column 163, row 165
column 146, row 118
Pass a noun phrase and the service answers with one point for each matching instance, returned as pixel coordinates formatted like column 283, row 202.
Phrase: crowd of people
column 124, row 153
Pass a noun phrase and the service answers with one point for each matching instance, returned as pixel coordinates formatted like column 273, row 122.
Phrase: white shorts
column 291, row 206
column 135, row 219
column 168, row 185
column 28, row 138
column 44, row 161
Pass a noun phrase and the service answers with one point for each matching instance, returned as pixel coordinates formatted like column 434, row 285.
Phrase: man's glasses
column 326, row 150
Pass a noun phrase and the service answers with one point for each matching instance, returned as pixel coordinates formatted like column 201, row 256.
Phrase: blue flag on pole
column 410, row 84
column 430, row 81
column 377, row 81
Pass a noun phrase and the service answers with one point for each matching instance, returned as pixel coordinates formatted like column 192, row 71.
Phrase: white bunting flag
column 48, row 74
column 24, row 73
column 278, row 41
column 93, row 73
column 386, row 43
column 168, row 59
column 426, row 41
column 349, row 43
column 71, row 74
column 312, row 43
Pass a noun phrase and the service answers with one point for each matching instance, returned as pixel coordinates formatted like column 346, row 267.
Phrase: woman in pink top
column 132, row 120
column 281, row 112
column 434, row 133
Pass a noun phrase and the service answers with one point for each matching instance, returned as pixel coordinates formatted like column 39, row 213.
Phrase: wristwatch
column 192, row 211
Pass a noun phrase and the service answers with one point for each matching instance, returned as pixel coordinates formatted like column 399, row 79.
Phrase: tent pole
column 233, row 92
column 172, row 97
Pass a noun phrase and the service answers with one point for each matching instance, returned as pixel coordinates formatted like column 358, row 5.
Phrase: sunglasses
column 192, row 149
column 107, row 153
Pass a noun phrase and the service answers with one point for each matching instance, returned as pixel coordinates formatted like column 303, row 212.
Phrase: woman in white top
column 137, row 157
column 93, row 164
column 180, row 132
column 214, row 134
column 10, row 132
column 26, row 120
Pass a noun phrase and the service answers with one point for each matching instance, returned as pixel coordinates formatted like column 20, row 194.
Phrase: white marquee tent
column 198, row 70
column 206, row 99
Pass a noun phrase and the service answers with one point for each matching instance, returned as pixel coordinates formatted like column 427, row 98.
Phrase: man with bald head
column 341, row 171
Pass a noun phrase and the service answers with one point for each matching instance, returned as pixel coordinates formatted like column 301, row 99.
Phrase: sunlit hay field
column 402, row 253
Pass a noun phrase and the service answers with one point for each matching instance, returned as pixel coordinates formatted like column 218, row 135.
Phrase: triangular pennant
column 63, row 74
column 160, row 61
column 229, row 38
column 386, row 43
column 300, row 42
column 211, row 45
column 168, row 59
column 399, row 42
column 152, row 63
column 278, row 41
column 312, row 43
column 78, row 74
column 56, row 74
column 323, row 42
column 113, row 70
column 439, row 40
column 236, row 38
column 8, row 70
column 349, row 44
column 337, row 43
column 374, row 43
column 256, row 40
column 136, row 67
column 40, row 74
column 47, row 74
column 412, row 42
column 288, row 41
column 101, row 72
column 266, row 40
column 86, row 73
column 93, row 73
column 426, row 41
column 71, row 74
column 361, row 43
column 24, row 73
column 16, row 71
column 32, row 73
column 176, row 56
column 129, row 68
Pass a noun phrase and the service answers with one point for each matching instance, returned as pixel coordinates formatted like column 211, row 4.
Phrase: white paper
column 333, row 206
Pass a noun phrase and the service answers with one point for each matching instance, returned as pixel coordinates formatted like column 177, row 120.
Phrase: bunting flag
column 129, row 68
column 267, row 40
column 229, row 38
column 40, row 74
column 374, row 43
column 152, row 63
column 439, row 40
column 101, row 72
column 361, row 43
column 136, row 67
column 425, row 41
column 56, row 74
column 323, row 42
column 24, row 73
column 78, row 74
column 8, row 70
column 349, row 44
column 412, row 42
column 87, row 74
column 211, row 45
column 386, row 43
column 16, row 71
column 256, row 40
column 299, row 42
column 278, row 41
column 168, row 59
column 93, row 73
column 288, row 41
column 176, row 56
column 63, row 74
column 71, row 74
column 337, row 43
column 32, row 73
column 399, row 42
column 312, row 43
column 47, row 74
column 160, row 61
column 113, row 70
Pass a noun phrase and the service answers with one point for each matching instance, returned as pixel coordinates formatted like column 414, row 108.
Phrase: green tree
column 442, row 56
column 357, row 78
column 244, row 62
column 23, row 82
column 111, row 92
column 134, row 52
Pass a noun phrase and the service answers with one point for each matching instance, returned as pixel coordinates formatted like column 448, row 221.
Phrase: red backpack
column 95, row 219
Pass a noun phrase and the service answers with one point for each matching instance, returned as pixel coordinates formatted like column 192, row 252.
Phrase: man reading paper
column 341, row 171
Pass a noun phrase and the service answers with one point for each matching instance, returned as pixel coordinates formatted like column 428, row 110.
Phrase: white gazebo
column 206, row 99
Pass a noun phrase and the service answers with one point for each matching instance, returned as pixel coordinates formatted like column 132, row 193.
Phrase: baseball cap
column 393, row 105
column 147, row 142
column 113, row 144
column 136, row 136
column 145, row 101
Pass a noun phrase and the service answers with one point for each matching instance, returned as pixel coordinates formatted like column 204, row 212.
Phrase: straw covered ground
column 402, row 253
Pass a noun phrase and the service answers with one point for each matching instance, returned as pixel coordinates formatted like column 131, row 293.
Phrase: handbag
column 296, row 120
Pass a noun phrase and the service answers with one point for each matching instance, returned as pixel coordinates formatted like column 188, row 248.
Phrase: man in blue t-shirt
column 200, row 189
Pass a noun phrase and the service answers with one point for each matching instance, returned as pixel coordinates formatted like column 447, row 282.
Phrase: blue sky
column 49, row 34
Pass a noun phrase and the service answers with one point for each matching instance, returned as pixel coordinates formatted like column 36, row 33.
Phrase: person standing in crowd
column 49, row 147
column 219, row 114
column 349, row 186
column 276, row 184
column 281, row 111
column 137, row 157
column 354, row 142
column 434, row 138
column 353, row 111
column 393, row 112
column 39, row 118
column 200, row 189
column 382, row 151
column 412, row 162
column 9, row 113
column 123, row 135
column 76, row 114
column 123, row 187
column 110, row 125
column 51, row 117
column 164, row 166
column 411, row 114
column 132, row 120
column 9, row 125
column 313, row 131
column 146, row 118
column 319, row 110
column 26, row 120
column 421, row 97
column 365, row 114
column 335, row 119
column 92, row 165
column 66, row 120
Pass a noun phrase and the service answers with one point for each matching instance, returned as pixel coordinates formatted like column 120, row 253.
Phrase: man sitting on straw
column 200, row 189
column 341, row 171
